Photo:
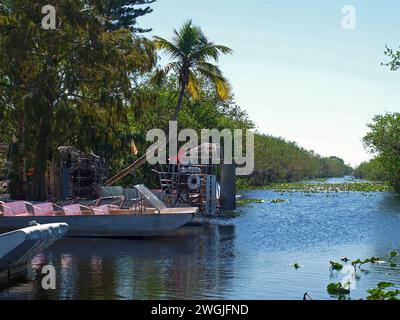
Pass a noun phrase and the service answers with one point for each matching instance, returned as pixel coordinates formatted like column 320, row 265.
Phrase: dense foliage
column 278, row 160
column 72, row 85
column 124, row 13
column 384, row 140
column 372, row 170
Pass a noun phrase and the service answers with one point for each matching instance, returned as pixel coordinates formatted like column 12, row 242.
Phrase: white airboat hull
column 19, row 246
column 137, row 225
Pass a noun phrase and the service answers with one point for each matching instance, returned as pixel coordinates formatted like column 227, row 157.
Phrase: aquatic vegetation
column 336, row 265
column 379, row 293
column 329, row 187
column 337, row 289
column 278, row 200
column 393, row 255
column 243, row 202
column 359, row 262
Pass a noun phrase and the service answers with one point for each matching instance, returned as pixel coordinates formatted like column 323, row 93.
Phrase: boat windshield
column 150, row 196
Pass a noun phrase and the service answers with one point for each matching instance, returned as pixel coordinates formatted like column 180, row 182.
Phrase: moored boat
column 19, row 246
column 145, row 216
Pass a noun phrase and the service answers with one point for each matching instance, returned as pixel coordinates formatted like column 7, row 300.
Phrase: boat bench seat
column 47, row 209
column 77, row 210
column 15, row 209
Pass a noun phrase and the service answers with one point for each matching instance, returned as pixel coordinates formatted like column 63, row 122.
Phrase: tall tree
column 384, row 140
column 124, row 13
column 384, row 137
column 62, row 77
column 192, row 54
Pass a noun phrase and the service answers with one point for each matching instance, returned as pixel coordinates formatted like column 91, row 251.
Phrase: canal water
column 247, row 255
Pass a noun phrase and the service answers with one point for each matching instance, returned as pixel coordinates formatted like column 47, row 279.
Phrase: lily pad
column 336, row 265
column 337, row 289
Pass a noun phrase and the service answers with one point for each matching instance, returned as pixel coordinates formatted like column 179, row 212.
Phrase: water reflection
column 390, row 202
column 184, row 265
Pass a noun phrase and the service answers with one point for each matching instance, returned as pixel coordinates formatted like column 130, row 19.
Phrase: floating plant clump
column 330, row 187
column 243, row 202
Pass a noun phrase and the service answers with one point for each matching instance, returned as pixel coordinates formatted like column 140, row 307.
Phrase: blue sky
column 295, row 70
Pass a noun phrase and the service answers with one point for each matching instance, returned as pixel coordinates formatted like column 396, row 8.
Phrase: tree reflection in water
column 193, row 262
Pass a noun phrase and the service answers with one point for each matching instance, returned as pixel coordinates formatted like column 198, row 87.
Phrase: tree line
column 278, row 160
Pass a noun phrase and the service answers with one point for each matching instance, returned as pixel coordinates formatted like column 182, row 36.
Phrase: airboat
column 19, row 246
column 142, row 215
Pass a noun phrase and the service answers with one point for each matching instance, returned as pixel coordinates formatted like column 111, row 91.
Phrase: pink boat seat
column 15, row 208
column 44, row 209
column 74, row 210
column 104, row 210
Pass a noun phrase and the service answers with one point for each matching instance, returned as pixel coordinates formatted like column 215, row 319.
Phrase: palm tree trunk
column 179, row 104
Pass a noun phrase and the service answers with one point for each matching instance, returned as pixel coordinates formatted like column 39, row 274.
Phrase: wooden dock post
column 211, row 192
column 228, row 186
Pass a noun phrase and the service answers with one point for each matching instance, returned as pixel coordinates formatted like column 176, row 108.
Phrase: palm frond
column 193, row 54
column 178, row 35
column 193, row 86
column 189, row 38
column 168, row 47
column 210, row 51
column 158, row 77
column 214, row 74
column 223, row 49
column 208, row 67
column 173, row 66
column 222, row 87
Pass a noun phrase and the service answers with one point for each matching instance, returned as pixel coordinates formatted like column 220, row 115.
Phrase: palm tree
column 193, row 53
